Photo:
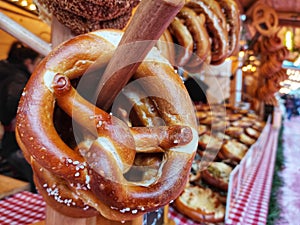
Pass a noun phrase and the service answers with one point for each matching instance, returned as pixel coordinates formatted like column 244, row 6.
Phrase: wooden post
column 54, row 218
column 167, row 220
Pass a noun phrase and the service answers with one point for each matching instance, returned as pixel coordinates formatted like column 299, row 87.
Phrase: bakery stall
column 146, row 152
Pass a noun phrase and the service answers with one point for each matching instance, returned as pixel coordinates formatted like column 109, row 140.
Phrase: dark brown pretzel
column 92, row 176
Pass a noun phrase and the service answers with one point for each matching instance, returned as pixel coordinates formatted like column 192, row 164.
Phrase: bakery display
column 153, row 146
column 219, row 152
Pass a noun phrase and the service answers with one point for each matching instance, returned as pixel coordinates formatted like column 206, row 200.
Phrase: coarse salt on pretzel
column 91, row 178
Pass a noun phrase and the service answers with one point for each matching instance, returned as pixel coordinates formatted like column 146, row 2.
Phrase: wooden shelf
column 10, row 186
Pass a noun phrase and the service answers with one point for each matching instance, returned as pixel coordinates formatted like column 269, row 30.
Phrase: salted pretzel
column 91, row 177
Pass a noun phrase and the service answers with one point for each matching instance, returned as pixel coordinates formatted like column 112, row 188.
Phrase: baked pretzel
column 166, row 46
column 217, row 31
column 231, row 12
column 204, row 31
column 86, row 16
column 184, row 39
column 265, row 19
column 91, row 178
column 196, row 26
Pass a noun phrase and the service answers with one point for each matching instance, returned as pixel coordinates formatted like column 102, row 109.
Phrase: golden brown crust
column 95, row 171
column 217, row 175
column 166, row 46
column 233, row 150
column 246, row 139
column 216, row 30
column 231, row 12
column 196, row 25
column 184, row 39
column 200, row 204
column 234, row 132
column 210, row 142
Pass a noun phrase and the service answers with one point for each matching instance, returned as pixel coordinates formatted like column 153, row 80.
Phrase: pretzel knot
column 98, row 174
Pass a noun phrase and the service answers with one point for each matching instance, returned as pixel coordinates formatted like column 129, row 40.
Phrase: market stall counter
column 247, row 200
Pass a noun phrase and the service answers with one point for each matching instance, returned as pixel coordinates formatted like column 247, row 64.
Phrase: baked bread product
column 252, row 133
column 84, row 16
column 217, row 175
column 91, row 177
column 247, row 140
column 209, row 142
column 202, row 129
column 233, row 150
column 234, row 132
column 200, row 204
column 195, row 173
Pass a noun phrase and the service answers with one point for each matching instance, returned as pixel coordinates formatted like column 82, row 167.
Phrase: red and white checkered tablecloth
column 22, row 208
column 180, row 219
column 251, row 205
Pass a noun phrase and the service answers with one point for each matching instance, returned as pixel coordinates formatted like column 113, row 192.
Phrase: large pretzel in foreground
column 90, row 179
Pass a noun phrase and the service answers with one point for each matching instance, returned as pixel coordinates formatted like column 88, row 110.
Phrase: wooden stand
column 167, row 220
column 10, row 186
column 53, row 218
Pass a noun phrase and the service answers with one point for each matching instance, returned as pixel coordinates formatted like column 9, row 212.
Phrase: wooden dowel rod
column 150, row 20
column 54, row 218
column 23, row 35
column 59, row 32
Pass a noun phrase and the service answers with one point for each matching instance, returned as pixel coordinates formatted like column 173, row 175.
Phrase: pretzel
column 272, row 64
column 231, row 12
column 272, row 44
column 200, row 36
column 166, row 46
column 86, row 16
column 217, row 31
column 90, row 178
column 265, row 19
column 95, row 11
column 184, row 39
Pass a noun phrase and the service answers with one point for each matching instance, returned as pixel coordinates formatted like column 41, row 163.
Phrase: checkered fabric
column 180, row 219
column 251, row 205
column 22, row 208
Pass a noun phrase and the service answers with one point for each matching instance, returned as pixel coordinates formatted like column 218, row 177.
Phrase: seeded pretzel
column 90, row 178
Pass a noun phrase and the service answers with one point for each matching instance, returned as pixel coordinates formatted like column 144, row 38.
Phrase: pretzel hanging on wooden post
column 94, row 173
